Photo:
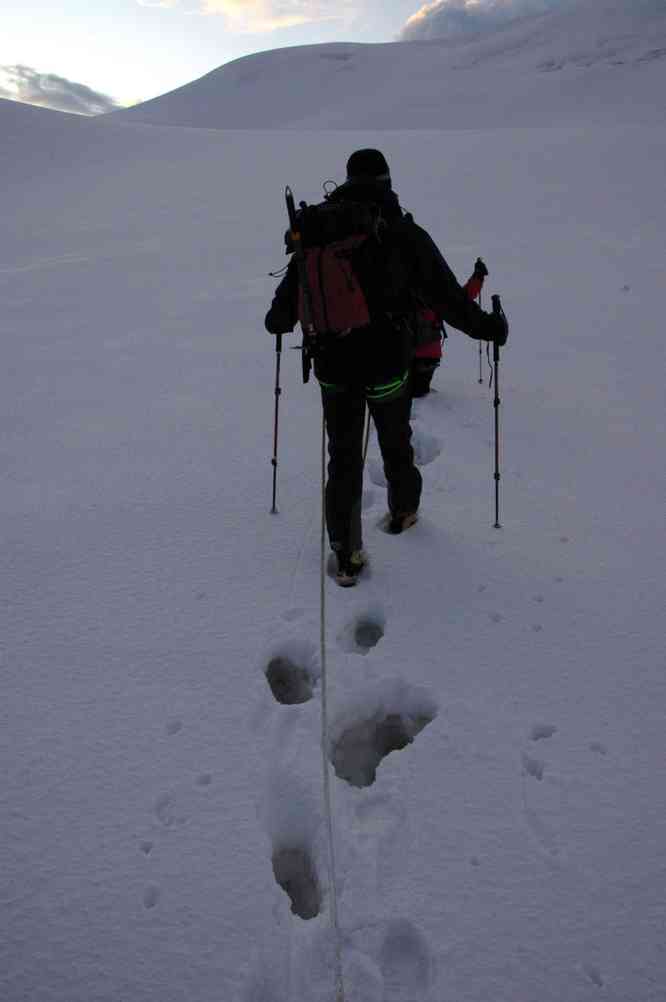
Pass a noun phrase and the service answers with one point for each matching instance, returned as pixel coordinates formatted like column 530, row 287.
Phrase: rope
column 339, row 982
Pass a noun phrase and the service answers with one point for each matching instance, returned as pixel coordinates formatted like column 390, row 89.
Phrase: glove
column 277, row 323
column 480, row 270
column 497, row 328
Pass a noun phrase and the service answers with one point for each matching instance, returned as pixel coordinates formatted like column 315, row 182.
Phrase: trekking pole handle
column 498, row 311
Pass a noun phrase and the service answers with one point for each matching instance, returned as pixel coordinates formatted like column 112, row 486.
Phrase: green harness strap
column 382, row 392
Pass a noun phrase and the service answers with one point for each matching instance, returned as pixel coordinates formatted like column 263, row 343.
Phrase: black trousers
column 344, row 413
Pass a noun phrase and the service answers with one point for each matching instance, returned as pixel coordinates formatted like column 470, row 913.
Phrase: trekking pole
column 497, row 309
column 480, row 352
column 278, row 391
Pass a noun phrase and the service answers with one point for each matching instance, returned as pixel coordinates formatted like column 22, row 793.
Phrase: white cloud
column 22, row 83
column 243, row 16
column 455, row 18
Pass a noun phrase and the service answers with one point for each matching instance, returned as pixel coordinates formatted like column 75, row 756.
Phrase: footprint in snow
column 291, row 683
column 363, row 632
column 533, row 767
column 359, row 747
column 406, row 962
column 540, row 732
column 362, row 747
column 540, row 802
column 295, row 872
column 367, row 634
column 593, row 974
column 151, row 896
column 166, row 811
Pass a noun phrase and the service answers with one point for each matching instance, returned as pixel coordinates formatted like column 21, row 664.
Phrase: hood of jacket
column 378, row 193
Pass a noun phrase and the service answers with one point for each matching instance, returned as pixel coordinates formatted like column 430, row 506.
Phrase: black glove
column 496, row 324
column 501, row 330
column 276, row 322
column 480, row 270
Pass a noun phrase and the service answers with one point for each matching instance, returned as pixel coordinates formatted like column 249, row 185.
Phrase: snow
column 513, row 848
column 585, row 62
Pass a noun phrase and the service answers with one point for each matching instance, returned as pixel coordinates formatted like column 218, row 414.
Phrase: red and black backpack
column 347, row 265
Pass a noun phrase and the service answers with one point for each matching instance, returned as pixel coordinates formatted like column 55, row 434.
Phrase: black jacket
column 383, row 350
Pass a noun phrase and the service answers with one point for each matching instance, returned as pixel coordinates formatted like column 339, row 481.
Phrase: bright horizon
column 124, row 52
column 131, row 51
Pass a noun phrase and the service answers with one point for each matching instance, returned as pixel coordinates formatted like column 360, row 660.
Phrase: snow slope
column 596, row 61
column 514, row 850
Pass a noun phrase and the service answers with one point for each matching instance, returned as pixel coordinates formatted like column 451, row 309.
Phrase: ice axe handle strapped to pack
column 307, row 325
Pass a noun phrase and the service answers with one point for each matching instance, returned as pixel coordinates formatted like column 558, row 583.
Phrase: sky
column 88, row 58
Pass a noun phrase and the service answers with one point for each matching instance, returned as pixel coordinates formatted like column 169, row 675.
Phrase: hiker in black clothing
column 370, row 364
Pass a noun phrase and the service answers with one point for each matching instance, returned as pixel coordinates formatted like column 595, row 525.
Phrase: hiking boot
column 350, row 566
column 399, row 521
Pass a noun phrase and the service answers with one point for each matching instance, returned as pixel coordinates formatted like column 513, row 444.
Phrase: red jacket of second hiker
column 430, row 346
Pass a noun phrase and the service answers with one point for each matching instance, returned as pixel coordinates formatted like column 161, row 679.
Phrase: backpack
column 349, row 265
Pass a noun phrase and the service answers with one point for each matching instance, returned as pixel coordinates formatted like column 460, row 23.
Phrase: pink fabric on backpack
column 338, row 302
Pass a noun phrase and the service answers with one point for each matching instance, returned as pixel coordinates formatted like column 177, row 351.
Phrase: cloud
column 246, row 16
column 458, row 18
column 22, row 83
column 263, row 15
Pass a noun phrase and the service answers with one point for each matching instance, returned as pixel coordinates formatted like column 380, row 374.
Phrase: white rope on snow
column 339, row 982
